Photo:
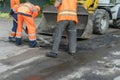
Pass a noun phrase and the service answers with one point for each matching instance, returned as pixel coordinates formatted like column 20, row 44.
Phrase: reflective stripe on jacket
column 68, row 10
column 15, row 7
column 29, row 9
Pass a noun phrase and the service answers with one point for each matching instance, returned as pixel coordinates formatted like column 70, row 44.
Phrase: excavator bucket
column 48, row 22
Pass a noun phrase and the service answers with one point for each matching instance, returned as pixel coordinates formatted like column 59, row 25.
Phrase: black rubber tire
column 100, row 21
column 116, row 23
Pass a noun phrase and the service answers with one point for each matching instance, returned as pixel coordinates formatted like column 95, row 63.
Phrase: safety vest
column 15, row 8
column 29, row 9
column 14, row 2
column 68, row 10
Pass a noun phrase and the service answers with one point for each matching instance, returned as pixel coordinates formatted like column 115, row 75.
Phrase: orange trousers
column 30, row 26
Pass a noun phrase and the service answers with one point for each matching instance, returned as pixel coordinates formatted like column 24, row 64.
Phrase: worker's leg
column 19, row 30
column 14, row 23
column 57, row 38
column 31, row 31
column 72, row 37
column 12, row 34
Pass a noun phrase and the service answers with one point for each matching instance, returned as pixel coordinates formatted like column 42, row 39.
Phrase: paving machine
column 93, row 17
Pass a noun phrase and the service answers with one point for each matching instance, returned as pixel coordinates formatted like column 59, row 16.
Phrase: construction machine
column 93, row 17
column 115, row 11
column 106, row 10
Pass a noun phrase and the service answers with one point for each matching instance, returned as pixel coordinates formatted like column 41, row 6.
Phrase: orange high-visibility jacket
column 29, row 9
column 15, row 7
column 14, row 2
column 68, row 10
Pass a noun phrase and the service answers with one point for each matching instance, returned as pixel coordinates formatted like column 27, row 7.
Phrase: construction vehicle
column 93, row 17
column 115, row 11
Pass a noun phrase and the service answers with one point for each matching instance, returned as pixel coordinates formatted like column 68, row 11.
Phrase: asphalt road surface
column 96, row 59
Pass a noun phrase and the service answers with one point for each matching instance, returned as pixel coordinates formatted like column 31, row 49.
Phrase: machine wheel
column 116, row 23
column 100, row 21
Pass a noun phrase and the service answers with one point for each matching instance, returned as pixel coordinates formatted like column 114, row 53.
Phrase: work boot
column 71, row 53
column 33, row 44
column 51, row 54
column 18, row 41
column 12, row 39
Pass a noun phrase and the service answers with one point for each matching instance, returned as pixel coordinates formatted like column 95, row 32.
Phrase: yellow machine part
column 90, row 5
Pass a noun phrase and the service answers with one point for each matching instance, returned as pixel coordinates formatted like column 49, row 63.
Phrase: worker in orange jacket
column 66, row 19
column 13, row 13
column 26, row 13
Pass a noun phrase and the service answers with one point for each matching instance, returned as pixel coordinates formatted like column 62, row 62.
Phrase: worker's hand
column 57, row 3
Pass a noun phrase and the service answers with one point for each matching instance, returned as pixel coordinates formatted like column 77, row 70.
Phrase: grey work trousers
column 70, row 26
